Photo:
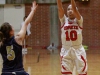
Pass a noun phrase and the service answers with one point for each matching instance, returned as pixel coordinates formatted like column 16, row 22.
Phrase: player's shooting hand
column 34, row 6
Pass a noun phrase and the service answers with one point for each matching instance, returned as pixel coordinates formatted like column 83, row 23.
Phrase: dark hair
column 1, row 38
column 5, row 31
column 24, row 18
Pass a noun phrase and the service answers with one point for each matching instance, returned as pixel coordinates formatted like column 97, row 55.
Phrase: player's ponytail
column 5, row 32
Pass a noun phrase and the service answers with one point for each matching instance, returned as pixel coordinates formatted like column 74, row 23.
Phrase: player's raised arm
column 75, row 10
column 21, row 35
column 60, row 9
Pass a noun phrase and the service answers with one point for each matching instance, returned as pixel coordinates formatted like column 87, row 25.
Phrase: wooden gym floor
column 44, row 62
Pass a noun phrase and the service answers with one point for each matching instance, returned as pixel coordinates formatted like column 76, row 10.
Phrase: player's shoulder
column 80, row 20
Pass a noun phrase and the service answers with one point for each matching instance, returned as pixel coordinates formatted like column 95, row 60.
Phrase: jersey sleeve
column 80, row 22
column 62, row 20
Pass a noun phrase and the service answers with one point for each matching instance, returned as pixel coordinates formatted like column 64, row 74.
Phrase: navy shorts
column 15, row 73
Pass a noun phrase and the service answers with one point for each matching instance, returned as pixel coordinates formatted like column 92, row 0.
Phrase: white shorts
column 73, row 57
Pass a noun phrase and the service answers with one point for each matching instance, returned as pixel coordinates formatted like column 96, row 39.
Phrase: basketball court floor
column 44, row 62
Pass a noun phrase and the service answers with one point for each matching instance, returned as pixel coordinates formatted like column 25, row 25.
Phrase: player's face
column 70, row 12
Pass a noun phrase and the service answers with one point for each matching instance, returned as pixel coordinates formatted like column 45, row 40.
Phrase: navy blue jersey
column 12, row 56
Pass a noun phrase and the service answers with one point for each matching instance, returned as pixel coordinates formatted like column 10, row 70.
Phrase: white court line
column 29, row 70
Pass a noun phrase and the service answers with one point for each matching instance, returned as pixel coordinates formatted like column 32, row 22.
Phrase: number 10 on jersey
column 72, row 36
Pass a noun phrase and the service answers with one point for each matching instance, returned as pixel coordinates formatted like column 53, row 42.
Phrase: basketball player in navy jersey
column 11, row 46
column 72, row 52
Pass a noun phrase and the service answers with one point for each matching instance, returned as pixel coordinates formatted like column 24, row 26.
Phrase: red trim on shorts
column 82, row 74
column 62, row 25
column 63, row 67
column 66, row 72
column 84, row 62
column 61, row 59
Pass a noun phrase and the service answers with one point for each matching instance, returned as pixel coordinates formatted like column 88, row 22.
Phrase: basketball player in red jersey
column 72, row 52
